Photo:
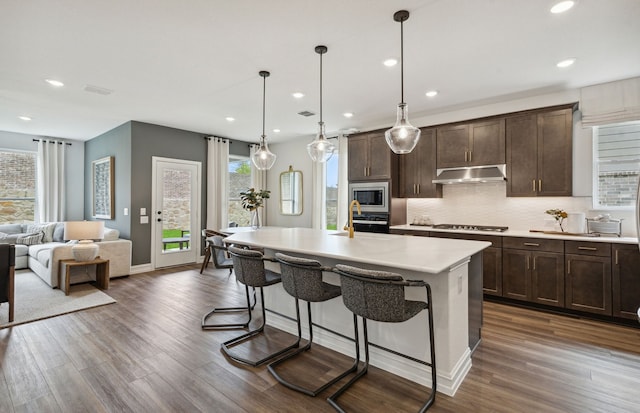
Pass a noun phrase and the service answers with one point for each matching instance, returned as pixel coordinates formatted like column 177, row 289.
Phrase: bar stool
column 250, row 271
column 302, row 279
column 379, row 296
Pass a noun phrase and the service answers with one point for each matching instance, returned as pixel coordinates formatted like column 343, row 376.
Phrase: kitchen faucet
column 350, row 227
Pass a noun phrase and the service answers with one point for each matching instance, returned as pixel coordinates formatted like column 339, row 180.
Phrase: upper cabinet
column 471, row 144
column 418, row 168
column 370, row 158
column 539, row 153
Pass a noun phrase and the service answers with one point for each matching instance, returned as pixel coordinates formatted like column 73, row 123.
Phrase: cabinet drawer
column 495, row 241
column 598, row 249
column 533, row 244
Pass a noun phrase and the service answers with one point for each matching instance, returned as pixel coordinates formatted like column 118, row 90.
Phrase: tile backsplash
column 487, row 204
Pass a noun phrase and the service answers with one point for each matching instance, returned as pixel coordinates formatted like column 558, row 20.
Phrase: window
column 17, row 187
column 239, row 180
column 616, row 165
column 332, row 191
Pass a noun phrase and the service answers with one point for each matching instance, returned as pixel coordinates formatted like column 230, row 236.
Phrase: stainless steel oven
column 372, row 196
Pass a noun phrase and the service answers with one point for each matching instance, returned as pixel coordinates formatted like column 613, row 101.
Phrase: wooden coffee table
column 102, row 272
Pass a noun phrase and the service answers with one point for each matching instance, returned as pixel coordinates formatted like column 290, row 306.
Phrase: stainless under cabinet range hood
column 471, row 174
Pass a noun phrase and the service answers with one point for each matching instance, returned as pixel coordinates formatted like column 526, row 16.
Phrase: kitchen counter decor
column 559, row 216
column 252, row 200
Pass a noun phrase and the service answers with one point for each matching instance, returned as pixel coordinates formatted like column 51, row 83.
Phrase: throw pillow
column 110, row 234
column 30, row 239
column 58, row 232
column 3, row 235
column 46, row 228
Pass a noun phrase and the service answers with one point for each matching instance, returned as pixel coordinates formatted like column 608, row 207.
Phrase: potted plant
column 559, row 215
column 251, row 201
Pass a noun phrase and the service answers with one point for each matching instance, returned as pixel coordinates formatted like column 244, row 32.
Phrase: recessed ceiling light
column 562, row 7
column 25, row 118
column 347, row 115
column 390, row 62
column 566, row 63
column 230, row 119
column 276, row 131
column 297, row 95
column 431, row 93
column 54, row 82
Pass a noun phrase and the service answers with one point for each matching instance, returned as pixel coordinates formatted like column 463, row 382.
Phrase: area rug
column 35, row 300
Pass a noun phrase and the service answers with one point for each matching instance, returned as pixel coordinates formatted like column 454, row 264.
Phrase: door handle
column 159, row 219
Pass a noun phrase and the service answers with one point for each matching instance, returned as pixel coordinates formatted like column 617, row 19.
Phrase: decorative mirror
column 291, row 192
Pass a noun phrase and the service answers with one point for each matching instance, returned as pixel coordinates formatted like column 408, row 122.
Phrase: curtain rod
column 208, row 138
column 66, row 143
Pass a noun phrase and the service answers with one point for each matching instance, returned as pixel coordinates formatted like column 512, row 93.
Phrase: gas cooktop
column 471, row 227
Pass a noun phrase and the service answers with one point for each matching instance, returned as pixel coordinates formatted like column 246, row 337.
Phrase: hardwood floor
column 148, row 353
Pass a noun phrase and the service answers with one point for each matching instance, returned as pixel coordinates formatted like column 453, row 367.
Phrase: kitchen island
column 453, row 268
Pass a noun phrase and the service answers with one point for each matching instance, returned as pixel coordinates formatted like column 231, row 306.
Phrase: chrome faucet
column 350, row 227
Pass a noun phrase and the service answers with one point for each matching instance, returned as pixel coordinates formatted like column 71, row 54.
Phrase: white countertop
column 523, row 233
column 423, row 254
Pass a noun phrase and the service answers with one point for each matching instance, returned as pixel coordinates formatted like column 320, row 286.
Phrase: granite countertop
column 523, row 233
column 422, row 254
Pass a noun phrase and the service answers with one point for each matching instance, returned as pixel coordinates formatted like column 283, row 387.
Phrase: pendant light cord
column 320, row 87
column 264, row 92
column 401, row 62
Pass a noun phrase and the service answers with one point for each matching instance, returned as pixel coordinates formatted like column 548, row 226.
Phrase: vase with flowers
column 559, row 216
column 251, row 201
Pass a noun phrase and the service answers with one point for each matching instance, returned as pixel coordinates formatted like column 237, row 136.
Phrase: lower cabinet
column 533, row 270
column 534, row 276
column 625, row 281
column 588, row 277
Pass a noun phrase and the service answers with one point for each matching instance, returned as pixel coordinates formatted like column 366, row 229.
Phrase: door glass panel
column 176, row 210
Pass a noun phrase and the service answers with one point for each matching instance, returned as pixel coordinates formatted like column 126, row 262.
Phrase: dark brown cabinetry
column 588, row 277
column 370, row 158
column 491, row 259
column 471, row 144
column 533, row 270
column 418, row 168
column 539, row 153
column 625, row 281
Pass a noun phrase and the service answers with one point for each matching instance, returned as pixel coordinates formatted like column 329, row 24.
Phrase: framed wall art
column 103, row 187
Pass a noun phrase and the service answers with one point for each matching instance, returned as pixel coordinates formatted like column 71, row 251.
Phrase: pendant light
column 403, row 137
column 321, row 149
column 263, row 158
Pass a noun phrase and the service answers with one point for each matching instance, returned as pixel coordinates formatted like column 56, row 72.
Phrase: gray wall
column 116, row 143
column 152, row 140
column 74, row 173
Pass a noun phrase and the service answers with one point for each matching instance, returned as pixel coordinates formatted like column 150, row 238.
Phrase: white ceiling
column 189, row 64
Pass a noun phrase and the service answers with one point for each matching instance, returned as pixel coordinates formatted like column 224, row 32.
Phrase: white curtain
column 343, row 182
column 217, row 182
column 51, row 182
column 258, row 181
column 318, row 195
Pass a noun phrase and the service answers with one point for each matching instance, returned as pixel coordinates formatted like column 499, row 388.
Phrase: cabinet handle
column 533, row 185
column 534, row 263
column 418, row 188
column 539, row 185
column 470, row 152
column 588, row 248
column 568, row 266
column 365, row 171
column 527, row 262
column 616, row 257
column 414, row 189
column 531, row 244
column 466, row 156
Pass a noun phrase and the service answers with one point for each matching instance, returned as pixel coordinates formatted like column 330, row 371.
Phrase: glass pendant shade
column 321, row 149
column 263, row 158
column 403, row 136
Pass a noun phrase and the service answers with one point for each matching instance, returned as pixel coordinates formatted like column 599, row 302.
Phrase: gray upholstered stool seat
column 250, row 271
column 380, row 296
column 302, row 279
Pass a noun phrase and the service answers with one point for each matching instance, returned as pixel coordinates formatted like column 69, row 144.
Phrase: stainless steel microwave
column 372, row 196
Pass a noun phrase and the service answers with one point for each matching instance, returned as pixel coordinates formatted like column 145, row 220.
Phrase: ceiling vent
column 306, row 113
column 97, row 89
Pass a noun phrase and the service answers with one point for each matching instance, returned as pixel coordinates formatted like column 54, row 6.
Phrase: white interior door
column 176, row 211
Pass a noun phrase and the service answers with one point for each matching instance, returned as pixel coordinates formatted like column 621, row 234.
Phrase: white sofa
column 43, row 258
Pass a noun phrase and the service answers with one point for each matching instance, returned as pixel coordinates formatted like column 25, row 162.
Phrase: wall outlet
column 144, row 220
column 143, row 211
